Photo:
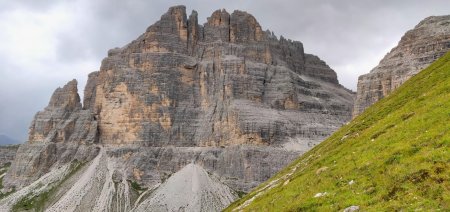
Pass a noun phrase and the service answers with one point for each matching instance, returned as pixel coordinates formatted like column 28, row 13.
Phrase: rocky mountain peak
column 219, row 18
column 66, row 98
column 245, row 28
column 435, row 20
column 417, row 49
column 238, row 27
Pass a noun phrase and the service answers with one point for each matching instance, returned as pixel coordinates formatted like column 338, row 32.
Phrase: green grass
column 39, row 202
column 397, row 153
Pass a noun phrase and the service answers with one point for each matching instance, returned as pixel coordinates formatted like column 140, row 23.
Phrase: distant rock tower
column 417, row 49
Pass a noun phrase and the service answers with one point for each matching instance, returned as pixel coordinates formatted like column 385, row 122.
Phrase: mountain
column 393, row 157
column 6, row 140
column 224, row 104
column 417, row 49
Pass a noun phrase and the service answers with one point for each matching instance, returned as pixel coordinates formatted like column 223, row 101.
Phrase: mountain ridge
column 417, row 49
column 227, row 96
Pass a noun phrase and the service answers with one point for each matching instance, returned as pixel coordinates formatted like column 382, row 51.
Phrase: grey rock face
column 227, row 96
column 62, row 132
column 7, row 154
column 223, row 84
column 417, row 49
column 317, row 68
column 158, row 92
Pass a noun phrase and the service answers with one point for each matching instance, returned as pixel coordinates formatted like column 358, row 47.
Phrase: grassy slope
column 397, row 153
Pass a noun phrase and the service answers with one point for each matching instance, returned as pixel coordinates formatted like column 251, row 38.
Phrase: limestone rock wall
column 190, row 92
column 225, row 95
column 417, row 49
column 158, row 91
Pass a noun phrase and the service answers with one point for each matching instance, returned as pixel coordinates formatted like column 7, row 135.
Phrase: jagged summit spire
column 67, row 97
column 237, row 27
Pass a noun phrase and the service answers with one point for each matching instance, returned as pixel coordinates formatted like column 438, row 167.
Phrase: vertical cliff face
column 227, row 96
column 184, row 84
column 63, row 120
column 61, row 133
column 417, row 49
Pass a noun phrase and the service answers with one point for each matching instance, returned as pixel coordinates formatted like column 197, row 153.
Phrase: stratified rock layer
column 62, row 132
column 222, row 84
column 227, row 96
column 417, row 49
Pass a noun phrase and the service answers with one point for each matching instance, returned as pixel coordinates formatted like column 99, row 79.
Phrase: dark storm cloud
column 351, row 36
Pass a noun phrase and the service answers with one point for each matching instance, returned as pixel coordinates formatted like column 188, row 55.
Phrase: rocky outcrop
column 61, row 133
column 226, row 96
column 63, row 121
column 7, row 154
column 317, row 68
column 417, row 49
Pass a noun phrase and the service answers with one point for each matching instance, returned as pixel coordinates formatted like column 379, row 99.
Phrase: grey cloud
column 31, row 4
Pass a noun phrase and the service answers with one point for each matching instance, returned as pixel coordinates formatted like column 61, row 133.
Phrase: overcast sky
column 46, row 43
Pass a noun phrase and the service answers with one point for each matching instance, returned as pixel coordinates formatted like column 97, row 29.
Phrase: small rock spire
column 66, row 98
